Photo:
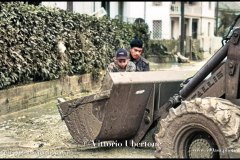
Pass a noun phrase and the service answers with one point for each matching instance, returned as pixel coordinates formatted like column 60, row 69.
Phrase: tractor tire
column 201, row 128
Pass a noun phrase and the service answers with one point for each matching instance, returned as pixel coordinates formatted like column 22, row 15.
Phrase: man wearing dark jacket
column 135, row 55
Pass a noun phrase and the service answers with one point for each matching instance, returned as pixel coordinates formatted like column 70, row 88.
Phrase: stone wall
column 22, row 97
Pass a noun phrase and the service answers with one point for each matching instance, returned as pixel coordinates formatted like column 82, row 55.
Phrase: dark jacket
column 141, row 64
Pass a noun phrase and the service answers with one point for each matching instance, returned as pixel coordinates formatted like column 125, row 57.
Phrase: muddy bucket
column 117, row 112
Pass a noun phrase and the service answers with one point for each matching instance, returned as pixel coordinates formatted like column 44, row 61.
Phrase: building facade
column 162, row 17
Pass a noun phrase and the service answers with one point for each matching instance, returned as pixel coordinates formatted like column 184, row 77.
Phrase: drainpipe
column 216, row 29
column 182, row 37
column 120, row 9
column 145, row 11
column 201, row 40
column 201, row 19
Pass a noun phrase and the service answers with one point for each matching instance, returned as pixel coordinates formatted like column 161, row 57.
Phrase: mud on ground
column 39, row 132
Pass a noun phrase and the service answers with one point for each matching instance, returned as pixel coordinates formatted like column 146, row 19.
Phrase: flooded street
column 178, row 66
column 39, row 132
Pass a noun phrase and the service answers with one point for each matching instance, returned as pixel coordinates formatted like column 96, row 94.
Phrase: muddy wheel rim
column 196, row 143
column 201, row 145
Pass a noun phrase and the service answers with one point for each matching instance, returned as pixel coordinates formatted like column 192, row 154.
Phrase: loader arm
column 219, row 77
column 202, row 120
column 224, row 81
column 194, row 87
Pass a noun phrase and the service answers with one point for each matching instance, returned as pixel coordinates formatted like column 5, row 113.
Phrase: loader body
column 204, row 122
column 125, row 109
column 199, row 119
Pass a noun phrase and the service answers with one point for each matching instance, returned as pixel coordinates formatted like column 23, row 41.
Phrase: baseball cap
column 122, row 54
column 136, row 43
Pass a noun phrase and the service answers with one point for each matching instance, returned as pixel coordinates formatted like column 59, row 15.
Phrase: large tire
column 200, row 128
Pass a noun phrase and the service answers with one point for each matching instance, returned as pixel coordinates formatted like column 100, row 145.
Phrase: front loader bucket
column 116, row 112
column 84, row 116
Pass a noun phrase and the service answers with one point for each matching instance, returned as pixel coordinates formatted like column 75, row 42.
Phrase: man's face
column 122, row 63
column 136, row 52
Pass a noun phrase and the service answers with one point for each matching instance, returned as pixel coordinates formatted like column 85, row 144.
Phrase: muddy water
column 177, row 66
column 39, row 132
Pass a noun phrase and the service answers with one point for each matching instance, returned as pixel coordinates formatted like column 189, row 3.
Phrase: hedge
column 30, row 35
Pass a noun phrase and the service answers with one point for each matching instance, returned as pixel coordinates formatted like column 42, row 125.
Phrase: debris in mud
column 39, row 132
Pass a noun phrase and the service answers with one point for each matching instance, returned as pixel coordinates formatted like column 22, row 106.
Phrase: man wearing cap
column 122, row 62
column 135, row 55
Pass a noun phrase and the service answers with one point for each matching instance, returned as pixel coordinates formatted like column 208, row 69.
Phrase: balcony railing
column 188, row 10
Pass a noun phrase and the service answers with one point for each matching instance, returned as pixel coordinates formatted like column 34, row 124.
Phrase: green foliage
column 123, row 35
column 226, row 21
column 29, row 38
column 157, row 48
column 161, row 47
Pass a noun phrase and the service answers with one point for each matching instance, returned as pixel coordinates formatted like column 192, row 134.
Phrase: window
column 157, row 3
column 194, row 28
column 157, row 29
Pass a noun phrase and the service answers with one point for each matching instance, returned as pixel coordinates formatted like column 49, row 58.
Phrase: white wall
column 114, row 9
column 83, row 7
column 216, row 44
column 159, row 13
column 59, row 4
column 176, row 32
column 133, row 9
column 86, row 7
column 145, row 10
column 206, row 12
